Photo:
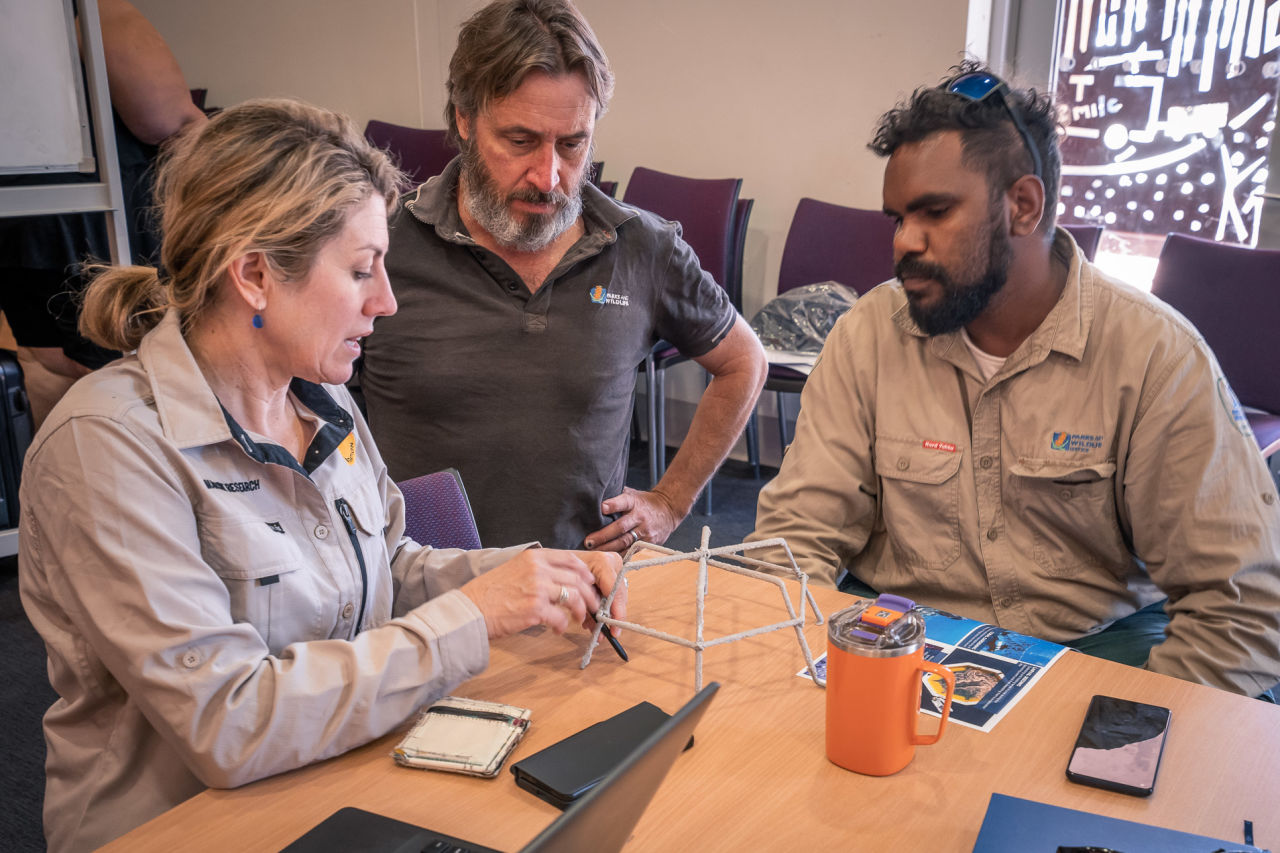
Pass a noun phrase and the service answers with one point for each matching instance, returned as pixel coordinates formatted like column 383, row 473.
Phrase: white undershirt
column 987, row 363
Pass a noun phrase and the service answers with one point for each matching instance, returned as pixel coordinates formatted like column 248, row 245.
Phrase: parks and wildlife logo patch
column 1229, row 402
column 1074, row 442
column 600, row 295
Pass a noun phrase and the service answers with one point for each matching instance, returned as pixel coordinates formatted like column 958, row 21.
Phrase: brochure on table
column 994, row 667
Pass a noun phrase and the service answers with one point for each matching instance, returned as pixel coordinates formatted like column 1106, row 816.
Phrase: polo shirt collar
column 191, row 416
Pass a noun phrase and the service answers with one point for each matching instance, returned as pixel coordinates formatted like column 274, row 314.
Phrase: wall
column 783, row 95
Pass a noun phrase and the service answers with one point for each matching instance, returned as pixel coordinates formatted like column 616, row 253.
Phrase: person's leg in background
column 32, row 302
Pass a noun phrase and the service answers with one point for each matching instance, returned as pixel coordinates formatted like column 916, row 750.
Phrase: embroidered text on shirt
column 243, row 486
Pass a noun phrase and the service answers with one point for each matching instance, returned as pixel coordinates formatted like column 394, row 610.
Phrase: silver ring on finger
column 635, row 537
column 563, row 598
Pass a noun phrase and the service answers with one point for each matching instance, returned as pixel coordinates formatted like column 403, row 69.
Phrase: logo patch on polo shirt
column 600, row 295
column 1232, row 405
column 348, row 448
column 930, row 444
column 1075, row 442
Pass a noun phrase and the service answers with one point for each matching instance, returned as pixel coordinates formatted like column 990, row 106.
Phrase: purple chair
column 437, row 512
column 422, row 154
column 1087, row 237
column 1231, row 294
column 707, row 211
column 829, row 242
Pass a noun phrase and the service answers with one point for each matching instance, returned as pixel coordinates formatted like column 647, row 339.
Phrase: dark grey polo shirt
column 528, row 394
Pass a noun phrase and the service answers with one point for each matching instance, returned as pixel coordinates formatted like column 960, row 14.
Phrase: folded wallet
column 565, row 771
column 463, row 736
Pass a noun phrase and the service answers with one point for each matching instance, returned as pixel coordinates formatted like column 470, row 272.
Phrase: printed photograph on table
column 985, row 685
column 1168, row 110
column 949, row 629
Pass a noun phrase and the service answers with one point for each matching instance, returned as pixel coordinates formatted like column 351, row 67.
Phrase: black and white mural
column 1169, row 107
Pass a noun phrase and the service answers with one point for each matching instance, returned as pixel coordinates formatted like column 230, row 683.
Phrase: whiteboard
column 43, row 122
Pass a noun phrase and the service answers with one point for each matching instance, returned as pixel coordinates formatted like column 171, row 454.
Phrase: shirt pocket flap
column 248, row 549
column 368, row 512
column 1068, row 473
column 915, row 464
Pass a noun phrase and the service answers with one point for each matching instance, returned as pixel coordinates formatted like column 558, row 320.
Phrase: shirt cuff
column 454, row 628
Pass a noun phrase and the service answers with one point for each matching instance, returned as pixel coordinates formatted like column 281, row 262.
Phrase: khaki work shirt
column 1105, row 466
column 207, row 618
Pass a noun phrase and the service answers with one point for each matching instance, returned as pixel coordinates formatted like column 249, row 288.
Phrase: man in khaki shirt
column 1006, row 433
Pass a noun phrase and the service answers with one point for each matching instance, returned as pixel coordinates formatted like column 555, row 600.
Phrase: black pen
column 608, row 635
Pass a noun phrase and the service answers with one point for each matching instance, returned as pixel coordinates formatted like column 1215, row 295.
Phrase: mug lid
column 887, row 626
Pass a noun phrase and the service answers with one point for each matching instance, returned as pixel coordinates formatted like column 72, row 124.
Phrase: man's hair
column 502, row 43
column 991, row 142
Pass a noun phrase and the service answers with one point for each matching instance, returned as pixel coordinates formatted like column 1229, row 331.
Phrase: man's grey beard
column 529, row 232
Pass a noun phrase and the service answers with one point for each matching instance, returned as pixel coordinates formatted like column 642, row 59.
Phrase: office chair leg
column 753, row 441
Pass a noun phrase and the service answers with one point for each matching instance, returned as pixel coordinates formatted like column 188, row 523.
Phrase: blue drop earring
column 257, row 321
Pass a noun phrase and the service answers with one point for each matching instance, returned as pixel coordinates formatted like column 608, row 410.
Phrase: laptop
column 601, row 820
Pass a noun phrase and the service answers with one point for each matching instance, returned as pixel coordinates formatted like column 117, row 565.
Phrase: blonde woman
column 210, row 546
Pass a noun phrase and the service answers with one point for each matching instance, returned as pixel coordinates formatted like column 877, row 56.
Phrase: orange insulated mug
column 875, row 662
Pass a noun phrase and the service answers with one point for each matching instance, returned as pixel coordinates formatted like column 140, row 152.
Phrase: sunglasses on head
column 978, row 86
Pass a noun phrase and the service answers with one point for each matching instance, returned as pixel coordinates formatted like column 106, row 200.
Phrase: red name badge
column 939, row 445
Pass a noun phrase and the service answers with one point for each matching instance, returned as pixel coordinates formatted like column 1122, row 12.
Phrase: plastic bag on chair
column 800, row 319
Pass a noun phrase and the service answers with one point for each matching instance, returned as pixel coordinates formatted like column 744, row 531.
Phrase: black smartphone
column 1119, row 746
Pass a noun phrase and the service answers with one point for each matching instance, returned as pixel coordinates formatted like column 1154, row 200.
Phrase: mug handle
column 950, row 678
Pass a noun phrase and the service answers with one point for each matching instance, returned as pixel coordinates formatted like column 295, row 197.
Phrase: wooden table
column 758, row 770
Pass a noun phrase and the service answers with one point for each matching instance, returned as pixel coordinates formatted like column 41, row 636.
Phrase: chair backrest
column 421, row 153
column 437, row 512
column 741, row 216
column 705, row 209
column 830, row 242
column 1087, row 238
column 1232, row 295
column 609, row 188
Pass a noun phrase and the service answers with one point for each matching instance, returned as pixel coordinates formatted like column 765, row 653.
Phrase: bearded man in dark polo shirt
column 528, row 297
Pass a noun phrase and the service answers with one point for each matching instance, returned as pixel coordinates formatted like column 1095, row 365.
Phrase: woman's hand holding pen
column 542, row 586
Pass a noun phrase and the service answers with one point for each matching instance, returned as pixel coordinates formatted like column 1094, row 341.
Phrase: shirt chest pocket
column 266, row 579
column 920, row 503
column 1070, row 511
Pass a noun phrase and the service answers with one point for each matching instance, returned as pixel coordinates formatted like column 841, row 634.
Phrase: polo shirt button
column 191, row 659
column 513, row 287
column 1005, row 603
column 986, row 462
column 348, row 610
column 904, row 464
column 322, row 532
column 1065, row 494
column 1268, row 498
column 992, row 534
